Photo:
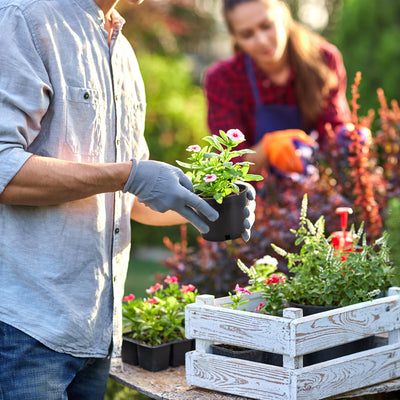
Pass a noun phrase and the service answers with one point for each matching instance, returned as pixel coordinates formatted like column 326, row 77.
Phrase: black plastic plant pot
column 129, row 351
column 229, row 225
column 154, row 358
column 178, row 351
column 233, row 352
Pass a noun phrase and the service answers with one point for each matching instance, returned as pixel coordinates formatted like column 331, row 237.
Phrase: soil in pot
column 229, row 224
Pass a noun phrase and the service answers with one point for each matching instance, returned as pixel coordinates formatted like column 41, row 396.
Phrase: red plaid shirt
column 231, row 103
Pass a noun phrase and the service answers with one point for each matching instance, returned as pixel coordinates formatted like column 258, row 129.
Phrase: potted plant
column 323, row 275
column 220, row 181
column 154, row 327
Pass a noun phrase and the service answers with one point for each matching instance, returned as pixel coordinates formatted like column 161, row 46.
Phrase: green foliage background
column 367, row 33
column 175, row 118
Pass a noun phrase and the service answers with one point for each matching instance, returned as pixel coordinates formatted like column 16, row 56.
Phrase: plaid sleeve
column 337, row 110
column 224, row 109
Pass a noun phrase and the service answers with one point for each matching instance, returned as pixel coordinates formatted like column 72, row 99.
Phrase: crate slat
column 346, row 324
column 239, row 377
column 348, row 373
column 241, row 328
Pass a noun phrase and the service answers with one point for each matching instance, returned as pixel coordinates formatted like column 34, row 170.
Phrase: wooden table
column 170, row 384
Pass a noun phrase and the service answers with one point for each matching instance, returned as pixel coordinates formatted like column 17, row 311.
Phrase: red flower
column 275, row 279
column 153, row 300
column 154, row 288
column 130, row 297
column 171, row 279
column 187, row 288
column 257, row 309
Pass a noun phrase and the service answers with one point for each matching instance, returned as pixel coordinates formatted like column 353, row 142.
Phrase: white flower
column 267, row 260
column 194, row 147
column 235, row 134
column 210, row 178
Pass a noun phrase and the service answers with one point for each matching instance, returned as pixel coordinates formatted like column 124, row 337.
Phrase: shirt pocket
column 84, row 121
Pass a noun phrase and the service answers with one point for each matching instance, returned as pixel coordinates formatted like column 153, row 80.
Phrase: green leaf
column 183, row 164
column 223, row 135
column 252, row 177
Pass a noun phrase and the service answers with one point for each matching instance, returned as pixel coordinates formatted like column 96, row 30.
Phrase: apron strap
column 252, row 78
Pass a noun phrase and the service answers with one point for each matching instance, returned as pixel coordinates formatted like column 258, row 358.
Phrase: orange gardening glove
column 282, row 149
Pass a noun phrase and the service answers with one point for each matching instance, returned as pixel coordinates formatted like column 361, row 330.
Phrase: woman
column 283, row 81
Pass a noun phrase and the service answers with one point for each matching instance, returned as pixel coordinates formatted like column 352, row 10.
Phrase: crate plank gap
column 293, row 336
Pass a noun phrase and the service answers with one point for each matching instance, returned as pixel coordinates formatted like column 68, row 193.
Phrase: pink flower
column 153, row 300
column 130, row 297
column 194, row 147
column 235, row 134
column 187, row 288
column 210, row 178
column 154, row 288
column 258, row 308
column 275, row 279
column 171, row 279
column 239, row 289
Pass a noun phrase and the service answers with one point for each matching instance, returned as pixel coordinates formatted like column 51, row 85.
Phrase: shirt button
column 86, row 95
column 116, row 230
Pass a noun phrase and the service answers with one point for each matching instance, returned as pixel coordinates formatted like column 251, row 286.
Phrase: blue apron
column 271, row 117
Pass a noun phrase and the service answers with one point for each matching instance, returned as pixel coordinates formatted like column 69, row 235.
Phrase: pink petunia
column 188, row 288
column 239, row 289
column 130, row 297
column 153, row 300
column 235, row 134
column 194, row 147
column 210, row 178
column 171, row 279
column 258, row 308
column 154, row 288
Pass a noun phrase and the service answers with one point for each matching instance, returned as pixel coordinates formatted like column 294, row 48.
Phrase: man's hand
column 281, row 149
column 164, row 187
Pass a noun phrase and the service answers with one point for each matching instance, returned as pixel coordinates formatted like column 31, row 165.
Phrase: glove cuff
column 129, row 185
column 265, row 144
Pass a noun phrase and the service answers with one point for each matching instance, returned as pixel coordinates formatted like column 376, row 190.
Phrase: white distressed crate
column 292, row 336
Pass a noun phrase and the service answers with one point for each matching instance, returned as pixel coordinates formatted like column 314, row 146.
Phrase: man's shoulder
column 22, row 4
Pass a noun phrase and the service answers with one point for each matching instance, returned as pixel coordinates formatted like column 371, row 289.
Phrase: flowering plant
column 159, row 318
column 212, row 172
column 323, row 275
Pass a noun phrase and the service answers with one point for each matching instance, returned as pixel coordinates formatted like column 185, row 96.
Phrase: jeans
column 31, row 371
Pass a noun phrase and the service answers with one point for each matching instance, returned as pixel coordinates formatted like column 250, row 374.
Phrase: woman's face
column 259, row 31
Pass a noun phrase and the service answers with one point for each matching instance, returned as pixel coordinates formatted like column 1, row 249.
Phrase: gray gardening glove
column 163, row 187
column 249, row 211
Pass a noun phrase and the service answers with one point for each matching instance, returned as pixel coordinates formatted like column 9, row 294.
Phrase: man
column 72, row 161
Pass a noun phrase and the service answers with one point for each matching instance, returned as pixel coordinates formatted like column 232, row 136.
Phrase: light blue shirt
column 65, row 93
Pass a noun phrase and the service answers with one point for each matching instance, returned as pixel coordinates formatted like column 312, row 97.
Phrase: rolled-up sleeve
column 25, row 92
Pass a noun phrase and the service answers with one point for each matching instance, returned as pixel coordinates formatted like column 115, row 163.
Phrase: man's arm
column 145, row 215
column 44, row 181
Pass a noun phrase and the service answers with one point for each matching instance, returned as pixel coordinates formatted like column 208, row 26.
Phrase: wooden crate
column 293, row 336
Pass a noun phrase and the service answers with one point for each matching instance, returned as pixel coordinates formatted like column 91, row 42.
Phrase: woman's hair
column 314, row 79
